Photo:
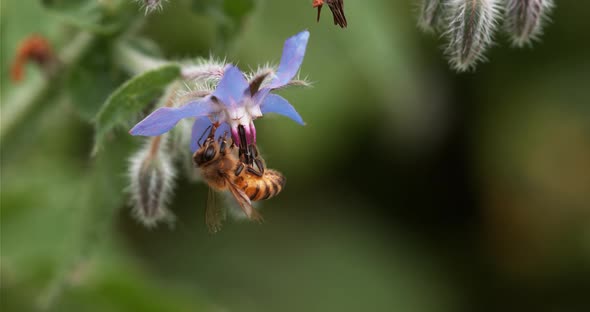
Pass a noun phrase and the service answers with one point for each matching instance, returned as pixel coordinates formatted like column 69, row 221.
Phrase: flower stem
column 136, row 62
column 133, row 61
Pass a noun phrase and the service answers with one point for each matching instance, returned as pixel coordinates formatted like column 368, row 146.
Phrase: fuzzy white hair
column 471, row 27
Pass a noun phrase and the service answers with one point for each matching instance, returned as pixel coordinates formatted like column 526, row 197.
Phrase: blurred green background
column 411, row 188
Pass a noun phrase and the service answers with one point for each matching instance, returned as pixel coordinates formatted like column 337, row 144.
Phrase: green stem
column 136, row 62
column 133, row 61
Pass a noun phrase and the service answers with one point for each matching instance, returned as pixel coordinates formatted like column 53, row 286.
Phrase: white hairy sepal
column 431, row 15
column 201, row 77
column 269, row 71
column 471, row 25
column 150, row 5
column 204, row 70
column 524, row 20
column 152, row 178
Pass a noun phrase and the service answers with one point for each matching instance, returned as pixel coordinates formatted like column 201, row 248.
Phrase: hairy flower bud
column 525, row 19
column 471, row 25
column 431, row 14
column 151, row 173
column 204, row 70
column 150, row 5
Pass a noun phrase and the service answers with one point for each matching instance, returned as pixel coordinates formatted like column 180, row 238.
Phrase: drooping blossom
column 235, row 100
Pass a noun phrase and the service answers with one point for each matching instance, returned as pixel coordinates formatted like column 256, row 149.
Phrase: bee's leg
column 222, row 147
column 259, row 164
column 202, row 135
column 232, row 144
column 222, row 143
column 257, row 160
column 239, row 168
column 253, row 150
column 254, row 171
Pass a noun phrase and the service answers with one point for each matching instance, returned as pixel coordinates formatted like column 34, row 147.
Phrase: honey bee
column 241, row 172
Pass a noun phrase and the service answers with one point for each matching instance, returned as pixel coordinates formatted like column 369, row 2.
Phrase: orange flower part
column 34, row 48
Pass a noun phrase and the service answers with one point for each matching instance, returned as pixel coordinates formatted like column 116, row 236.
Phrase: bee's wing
column 337, row 8
column 214, row 214
column 244, row 201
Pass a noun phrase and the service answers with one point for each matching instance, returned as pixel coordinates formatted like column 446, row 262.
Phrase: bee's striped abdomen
column 265, row 187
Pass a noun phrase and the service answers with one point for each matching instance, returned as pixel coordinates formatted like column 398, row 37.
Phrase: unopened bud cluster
column 469, row 25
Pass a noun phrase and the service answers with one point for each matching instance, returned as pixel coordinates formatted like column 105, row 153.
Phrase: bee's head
column 209, row 150
column 206, row 153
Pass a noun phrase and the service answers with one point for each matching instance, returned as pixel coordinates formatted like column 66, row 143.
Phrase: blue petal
column 232, row 86
column 277, row 104
column 261, row 95
column 165, row 118
column 293, row 53
column 200, row 126
column 222, row 130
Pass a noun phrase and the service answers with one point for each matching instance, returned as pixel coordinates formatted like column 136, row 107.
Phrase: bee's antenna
column 223, row 138
column 202, row 135
column 214, row 127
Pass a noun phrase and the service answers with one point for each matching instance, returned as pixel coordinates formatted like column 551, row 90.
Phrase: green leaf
column 228, row 15
column 105, row 17
column 146, row 46
column 131, row 98
column 237, row 10
column 90, row 83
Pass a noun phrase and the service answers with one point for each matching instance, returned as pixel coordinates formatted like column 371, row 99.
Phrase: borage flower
column 235, row 101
